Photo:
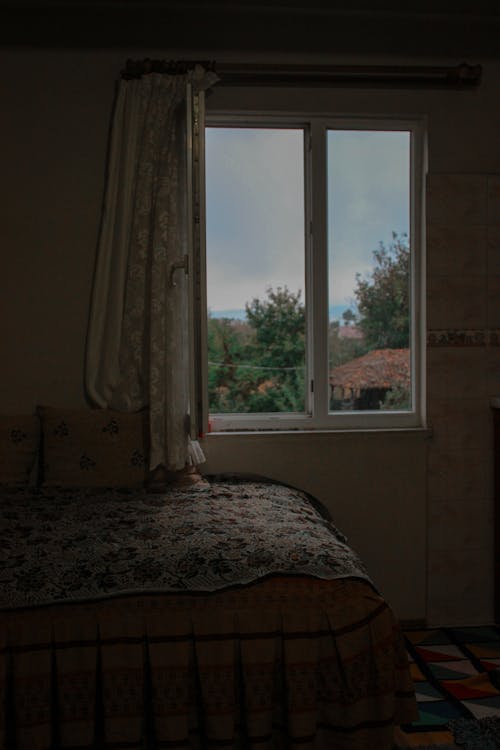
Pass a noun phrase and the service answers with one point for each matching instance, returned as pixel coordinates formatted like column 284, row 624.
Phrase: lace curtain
column 138, row 338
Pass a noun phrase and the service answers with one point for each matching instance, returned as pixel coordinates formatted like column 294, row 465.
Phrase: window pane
column 369, row 270
column 255, row 269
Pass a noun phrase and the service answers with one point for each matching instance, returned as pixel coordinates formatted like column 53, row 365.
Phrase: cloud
column 255, row 215
column 255, row 208
column 368, row 199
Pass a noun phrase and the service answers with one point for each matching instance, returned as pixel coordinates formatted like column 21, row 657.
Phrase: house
column 364, row 382
column 417, row 503
column 350, row 332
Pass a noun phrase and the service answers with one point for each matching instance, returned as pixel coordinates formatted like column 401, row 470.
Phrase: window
column 313, row 272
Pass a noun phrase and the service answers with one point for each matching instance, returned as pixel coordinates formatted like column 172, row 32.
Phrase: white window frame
column 317, row 416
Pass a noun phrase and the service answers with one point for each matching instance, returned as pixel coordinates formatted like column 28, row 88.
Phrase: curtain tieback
column 176, row 266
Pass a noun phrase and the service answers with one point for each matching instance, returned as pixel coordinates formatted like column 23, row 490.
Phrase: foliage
column 341, row 349
column 397, row 398
column 227, row 349
column 383, row 299
column 258, row 365
column 348, row 317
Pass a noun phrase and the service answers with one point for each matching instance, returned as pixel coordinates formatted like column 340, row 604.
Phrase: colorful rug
column 456, row 672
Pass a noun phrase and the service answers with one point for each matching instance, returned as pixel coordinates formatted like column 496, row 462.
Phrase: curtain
column 138, row 338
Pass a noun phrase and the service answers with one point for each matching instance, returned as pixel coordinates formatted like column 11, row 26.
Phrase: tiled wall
column 463, row 360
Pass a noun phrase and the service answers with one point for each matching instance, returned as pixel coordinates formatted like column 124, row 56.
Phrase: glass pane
column 255, row 270
column 369, row 270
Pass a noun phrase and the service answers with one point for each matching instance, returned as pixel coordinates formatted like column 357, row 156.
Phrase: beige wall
column 53, row 134
column 463, row 314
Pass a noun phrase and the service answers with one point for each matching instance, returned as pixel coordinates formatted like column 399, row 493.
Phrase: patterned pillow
column 19, row 441
column 93, row 448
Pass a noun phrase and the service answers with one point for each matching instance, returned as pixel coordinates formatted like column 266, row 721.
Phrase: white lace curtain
column 138, row 338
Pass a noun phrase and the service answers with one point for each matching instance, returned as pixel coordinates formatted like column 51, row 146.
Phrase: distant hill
column 335, row 313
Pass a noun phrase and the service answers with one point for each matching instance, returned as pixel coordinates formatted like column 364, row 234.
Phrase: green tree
column 397, row 398
column 383, row 298
column 341, row 349
column 279, row 323
column 348, row 317
column 258, row 365
column 228, row 377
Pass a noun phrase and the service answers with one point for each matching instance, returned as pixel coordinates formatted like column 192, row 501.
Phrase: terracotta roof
column 380, row 368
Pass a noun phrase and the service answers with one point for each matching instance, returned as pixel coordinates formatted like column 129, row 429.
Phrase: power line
column 253, row 367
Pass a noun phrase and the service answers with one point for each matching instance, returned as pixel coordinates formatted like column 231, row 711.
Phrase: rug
column 456, row 672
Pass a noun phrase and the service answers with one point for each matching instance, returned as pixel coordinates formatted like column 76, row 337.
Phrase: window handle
column 184, row 263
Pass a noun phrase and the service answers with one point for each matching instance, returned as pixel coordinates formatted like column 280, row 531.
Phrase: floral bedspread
column 84, row 544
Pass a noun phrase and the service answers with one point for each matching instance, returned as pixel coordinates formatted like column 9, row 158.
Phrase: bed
column 227, row 613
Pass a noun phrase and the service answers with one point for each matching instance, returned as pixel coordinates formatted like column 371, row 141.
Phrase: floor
column 456, row 672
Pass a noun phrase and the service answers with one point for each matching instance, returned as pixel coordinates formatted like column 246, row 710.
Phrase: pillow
column 93, row 447
column 19, row 441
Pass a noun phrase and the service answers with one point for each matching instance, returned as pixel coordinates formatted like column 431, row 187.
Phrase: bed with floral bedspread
column 233, row 614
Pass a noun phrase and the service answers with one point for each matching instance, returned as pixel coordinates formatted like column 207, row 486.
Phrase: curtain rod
column 139, row 68
column 459, row 76
column 270, row 74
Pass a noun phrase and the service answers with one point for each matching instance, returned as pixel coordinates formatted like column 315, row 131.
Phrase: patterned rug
column 456, row 672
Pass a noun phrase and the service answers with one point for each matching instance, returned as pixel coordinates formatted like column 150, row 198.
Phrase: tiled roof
column 380, row 368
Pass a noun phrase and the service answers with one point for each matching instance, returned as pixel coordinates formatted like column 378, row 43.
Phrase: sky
column 255, row 210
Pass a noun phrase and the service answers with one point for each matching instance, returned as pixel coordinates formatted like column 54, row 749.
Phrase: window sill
column 424, row 432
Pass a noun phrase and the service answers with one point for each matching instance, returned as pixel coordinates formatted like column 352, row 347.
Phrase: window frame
column 317, row 416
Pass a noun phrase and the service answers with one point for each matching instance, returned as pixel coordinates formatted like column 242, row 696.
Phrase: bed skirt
column 286, row 662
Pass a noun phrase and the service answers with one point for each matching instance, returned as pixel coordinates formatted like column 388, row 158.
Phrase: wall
column 56, row 108
column 463, row 315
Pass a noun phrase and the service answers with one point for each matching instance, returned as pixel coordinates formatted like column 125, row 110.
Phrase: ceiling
column 424, row 28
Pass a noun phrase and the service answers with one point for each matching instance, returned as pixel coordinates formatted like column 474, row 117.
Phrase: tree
column 348, row 317
column 341, row 349
column 258, row 365
column 397, row 398
column 383, row 298
column 279, row 323
column 228, row 342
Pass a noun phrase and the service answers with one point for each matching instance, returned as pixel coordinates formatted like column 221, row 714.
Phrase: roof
column 380, row 368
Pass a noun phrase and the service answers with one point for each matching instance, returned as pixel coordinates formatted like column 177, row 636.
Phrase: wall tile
column 463, row 370
column 437, row 411
column 457, row 199
column 460, row 586
column 467, row 569
column 494, row 200
column 457, row 372
column 456, row 302
column 449, row 476
column 437, row 377
column 493, row 313
column 456, row 250
column 459, row 337
column 462, row 428
column 456, row 524
column 493, row 371
column 493, row 245
column 477, row 609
